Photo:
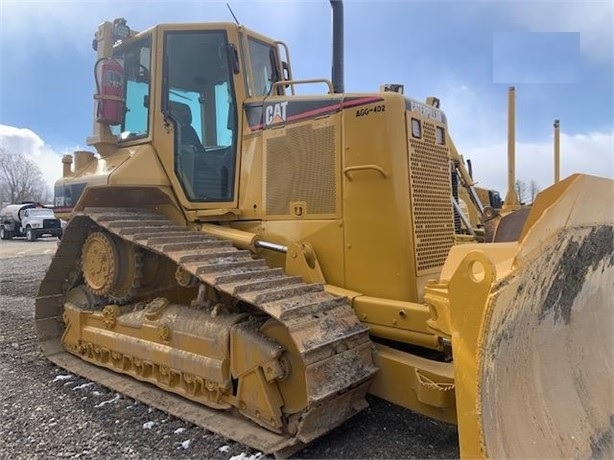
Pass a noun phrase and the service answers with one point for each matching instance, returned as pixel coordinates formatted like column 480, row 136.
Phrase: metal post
column 511, row 200
column 337, row 67
column 557, row 153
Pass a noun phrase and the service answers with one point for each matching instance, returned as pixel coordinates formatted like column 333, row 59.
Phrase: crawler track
column 334, row 346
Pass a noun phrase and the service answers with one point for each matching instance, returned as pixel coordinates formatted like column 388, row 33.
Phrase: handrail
column 350, row 169
column 279, row 43
column 301, row 82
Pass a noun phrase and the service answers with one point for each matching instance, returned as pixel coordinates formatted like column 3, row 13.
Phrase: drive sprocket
column 111, row 267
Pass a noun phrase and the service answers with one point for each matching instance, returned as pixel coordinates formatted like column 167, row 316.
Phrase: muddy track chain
column 334, row 345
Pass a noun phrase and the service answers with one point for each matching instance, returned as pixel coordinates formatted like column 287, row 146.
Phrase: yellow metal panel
column 500, row 254
column 469, row 289
column 557, row 206
column 378, row 242
column 141, row 158
column 415, row 383
column 250, row 178
column 396, row 314
column 326, row 237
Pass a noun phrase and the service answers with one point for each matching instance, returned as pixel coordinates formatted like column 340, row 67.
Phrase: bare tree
column 20, row 179
column 534, row 189
column 520, row 188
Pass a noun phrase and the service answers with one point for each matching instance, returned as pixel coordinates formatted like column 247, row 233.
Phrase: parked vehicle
column 29, row 220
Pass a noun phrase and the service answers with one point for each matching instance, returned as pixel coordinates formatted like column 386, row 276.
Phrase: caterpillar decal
column 268, row 114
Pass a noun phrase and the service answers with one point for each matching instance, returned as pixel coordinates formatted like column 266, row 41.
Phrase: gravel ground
column 46, row 412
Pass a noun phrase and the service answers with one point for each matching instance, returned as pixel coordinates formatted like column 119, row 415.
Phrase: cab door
column 200, row 77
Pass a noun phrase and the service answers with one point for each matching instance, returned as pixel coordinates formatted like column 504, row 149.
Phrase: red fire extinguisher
column 110, row 91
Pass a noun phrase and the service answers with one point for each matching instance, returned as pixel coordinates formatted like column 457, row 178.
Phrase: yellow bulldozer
column 256, row 261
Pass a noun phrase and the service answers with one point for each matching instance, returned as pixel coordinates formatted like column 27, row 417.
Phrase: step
column 148, row 232
column 235, row 277
column 312, row 310
column 269, row 283
column 214, row 253
column 189, row 245
column 272, row 295
column 137, row 223
column 178, row 237
column 214, row 267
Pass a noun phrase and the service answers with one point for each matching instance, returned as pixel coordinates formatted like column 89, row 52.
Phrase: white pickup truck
column 30, row 220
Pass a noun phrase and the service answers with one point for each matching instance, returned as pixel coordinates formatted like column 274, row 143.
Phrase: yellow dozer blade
column 531, row 324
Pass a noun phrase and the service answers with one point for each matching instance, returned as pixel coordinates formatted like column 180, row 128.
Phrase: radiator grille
column 300, row 167
column 430, row 191
column 51, row 223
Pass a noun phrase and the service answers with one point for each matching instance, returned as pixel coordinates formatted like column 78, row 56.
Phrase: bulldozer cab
column 184, row 85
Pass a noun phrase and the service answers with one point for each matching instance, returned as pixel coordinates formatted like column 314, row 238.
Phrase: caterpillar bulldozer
column 256, row 261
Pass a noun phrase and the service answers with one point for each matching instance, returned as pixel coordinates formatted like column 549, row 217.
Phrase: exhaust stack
column 337, row 25
column 67, row 165
column 511, row 200
column 557, row 153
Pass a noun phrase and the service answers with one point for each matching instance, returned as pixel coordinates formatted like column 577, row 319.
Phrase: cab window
column 264, row 66
column 136, row 59
column 201, row 106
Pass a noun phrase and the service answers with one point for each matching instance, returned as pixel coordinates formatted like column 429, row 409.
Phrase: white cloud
column 471, row 117
column 590, row 153
column 479, row 130
column 27, row 142
column 68, row 23
column 594, row 19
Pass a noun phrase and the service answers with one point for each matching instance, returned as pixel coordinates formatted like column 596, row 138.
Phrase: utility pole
column 557, row 153
column 511, row 200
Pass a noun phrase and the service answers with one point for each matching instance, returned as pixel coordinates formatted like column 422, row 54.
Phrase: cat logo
column 426, row 111
column 275, row 113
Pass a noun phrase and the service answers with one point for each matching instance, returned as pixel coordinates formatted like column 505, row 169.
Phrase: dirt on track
column 46, row 412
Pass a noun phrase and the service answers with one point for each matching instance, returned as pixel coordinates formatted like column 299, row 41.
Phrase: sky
column 559, row 55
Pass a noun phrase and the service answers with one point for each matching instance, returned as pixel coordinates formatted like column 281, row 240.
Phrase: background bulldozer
column 256, row 261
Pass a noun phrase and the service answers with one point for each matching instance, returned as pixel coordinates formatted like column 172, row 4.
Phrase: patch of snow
column 96, row 393
column 224, row 448
column 110, row 401
column 148, row 425
column 62, row 377
column 186, row 444
column 85, row 385
column 179, row 430
column 244, row 456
